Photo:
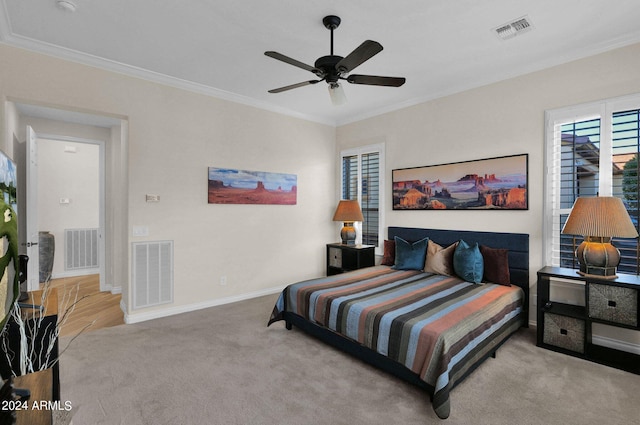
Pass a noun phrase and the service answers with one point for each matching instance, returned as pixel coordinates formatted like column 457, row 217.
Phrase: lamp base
column 599, row 272
column 598, row 258
column 348, row 233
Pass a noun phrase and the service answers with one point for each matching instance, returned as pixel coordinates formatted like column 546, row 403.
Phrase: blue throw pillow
column 468, row 262
column 410, row 256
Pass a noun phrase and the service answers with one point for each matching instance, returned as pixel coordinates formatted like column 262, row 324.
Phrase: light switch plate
column 139, row 231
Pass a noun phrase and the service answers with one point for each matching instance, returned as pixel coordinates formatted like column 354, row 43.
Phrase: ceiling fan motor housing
column 327, row 64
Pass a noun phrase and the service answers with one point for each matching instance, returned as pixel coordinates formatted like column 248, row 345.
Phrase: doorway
column 70, row 189
column 74, row 134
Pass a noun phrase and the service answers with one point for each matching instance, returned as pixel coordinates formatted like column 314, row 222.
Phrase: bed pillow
column 467, row 262
column 496, row 265
column 410, row 256
column 389, row 258
column 439, row 259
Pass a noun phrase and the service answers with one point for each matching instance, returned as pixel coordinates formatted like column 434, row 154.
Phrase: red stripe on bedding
column 430, row 333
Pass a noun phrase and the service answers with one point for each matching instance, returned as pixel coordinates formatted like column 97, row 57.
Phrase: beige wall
column 496, row 120
column 173, row 136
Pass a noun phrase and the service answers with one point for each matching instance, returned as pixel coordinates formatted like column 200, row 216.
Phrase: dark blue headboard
column 516, row 243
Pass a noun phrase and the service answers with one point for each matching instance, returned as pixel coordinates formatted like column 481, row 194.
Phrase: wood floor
column 93, row 309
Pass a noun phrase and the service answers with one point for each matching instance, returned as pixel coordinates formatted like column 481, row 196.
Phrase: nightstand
column 566, row 328
column 343, row 258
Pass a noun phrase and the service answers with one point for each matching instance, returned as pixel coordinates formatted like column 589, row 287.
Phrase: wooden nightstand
column 566, row 328
column 343, row 258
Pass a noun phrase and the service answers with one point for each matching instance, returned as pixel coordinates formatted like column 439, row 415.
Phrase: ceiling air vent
column 511, row 29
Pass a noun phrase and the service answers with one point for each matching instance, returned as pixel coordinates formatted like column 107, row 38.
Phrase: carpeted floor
column 224, row 366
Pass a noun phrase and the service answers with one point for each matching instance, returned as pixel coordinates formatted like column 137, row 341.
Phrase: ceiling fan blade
column 294, row 86
column 362, row 53
column 374, row 80
column 290, row 61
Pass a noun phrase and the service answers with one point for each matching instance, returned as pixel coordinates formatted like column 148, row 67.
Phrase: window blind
column 625, row 127
column 579, row 176
column 580, row 152
column 362, row 180
column 350, row 177
column 369, row 202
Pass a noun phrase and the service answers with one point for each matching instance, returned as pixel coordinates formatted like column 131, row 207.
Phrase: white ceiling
column 217, row 46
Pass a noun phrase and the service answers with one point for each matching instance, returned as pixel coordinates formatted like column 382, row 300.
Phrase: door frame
column 101, row 197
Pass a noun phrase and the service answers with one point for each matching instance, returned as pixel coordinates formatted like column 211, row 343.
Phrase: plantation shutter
column 579, row 176
column 626, row 146
column 591, row 150
column 370, row 197
column 350, row 177
column 362, row 180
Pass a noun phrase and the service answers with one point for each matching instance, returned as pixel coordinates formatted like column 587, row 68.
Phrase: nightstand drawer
column 613, row 303
column 335, row 257
column 343, row 258
column 564, row 332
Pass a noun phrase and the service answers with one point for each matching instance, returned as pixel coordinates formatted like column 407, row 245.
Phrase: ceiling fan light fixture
column 336, row 92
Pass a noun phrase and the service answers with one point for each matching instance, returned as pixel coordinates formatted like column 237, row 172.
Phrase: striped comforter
column 437, row 326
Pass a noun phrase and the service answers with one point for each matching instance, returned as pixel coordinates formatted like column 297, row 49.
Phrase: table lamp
column 598, row 220
column 348, row 212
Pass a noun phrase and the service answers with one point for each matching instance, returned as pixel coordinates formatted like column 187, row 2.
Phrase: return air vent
column 511, row 29
column 81, row 249
column 152, row 273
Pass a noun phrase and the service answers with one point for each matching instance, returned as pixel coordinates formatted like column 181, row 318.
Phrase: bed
column 430, row 328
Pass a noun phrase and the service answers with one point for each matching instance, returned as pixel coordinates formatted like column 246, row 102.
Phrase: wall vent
column 152, row 273
column 511, row 29
column 81, row 249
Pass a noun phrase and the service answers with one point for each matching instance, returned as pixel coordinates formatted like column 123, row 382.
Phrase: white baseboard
column 165, row 312
column 616, row 344
column 74, row 273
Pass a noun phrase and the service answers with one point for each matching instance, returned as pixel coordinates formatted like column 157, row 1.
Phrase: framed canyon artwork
column 230, row 186
column 485, row 184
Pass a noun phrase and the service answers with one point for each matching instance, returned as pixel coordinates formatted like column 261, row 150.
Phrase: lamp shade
column 602, row 216
column 348, row 211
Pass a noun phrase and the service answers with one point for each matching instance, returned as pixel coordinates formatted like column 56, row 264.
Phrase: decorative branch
column 33, row 331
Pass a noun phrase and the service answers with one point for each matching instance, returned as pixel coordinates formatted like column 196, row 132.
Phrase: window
column 362, row 175
column 591, row 150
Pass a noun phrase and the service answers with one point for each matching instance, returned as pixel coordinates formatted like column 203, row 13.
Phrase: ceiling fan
column 333, row 68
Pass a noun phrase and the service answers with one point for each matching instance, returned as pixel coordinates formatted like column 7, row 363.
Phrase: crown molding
column 7, row 37
column 26, row 43
column 466, row 85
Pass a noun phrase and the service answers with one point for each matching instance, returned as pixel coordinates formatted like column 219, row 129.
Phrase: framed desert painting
column 230, row 186
column 484, row 184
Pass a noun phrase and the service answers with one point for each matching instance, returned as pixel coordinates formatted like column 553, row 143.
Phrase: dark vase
column 47, row 244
